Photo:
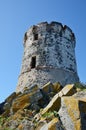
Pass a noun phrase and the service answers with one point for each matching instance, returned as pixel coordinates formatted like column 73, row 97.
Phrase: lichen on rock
column 37, row 109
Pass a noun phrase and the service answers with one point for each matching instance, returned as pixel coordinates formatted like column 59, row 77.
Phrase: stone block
column 57, row 87
column 71, row 113
column 26, row 99
column 47, row 88
column 53, row 105
column 68, row 90
column 21, row 102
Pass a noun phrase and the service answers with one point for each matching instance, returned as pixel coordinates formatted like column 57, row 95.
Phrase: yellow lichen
column 52, row 124
column 72, row 106
column 56, row 87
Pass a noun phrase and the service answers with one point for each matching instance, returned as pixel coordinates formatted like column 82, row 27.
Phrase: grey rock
column 27, row 125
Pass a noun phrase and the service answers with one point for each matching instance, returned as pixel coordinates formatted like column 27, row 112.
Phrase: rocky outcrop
column 51, row 107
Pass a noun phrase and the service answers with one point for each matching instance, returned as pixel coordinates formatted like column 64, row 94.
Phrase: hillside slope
column 51, row 107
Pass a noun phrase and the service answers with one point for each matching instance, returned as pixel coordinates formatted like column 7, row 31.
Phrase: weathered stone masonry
column 49, row 55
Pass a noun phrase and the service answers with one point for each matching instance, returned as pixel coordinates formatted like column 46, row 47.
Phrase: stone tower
column 49, row 55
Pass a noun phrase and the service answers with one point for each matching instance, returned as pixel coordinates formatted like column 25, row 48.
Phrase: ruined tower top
column 43, row 28
column 49, row 55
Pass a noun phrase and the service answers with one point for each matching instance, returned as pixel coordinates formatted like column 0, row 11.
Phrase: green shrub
column 80, row 86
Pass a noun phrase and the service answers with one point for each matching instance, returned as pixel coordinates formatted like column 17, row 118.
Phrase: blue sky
column 16, row 16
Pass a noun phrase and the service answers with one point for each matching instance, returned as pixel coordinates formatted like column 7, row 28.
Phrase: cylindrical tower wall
column 49, row 55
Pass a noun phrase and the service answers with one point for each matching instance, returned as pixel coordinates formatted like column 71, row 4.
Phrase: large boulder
column 54, row 104
column 68, row 90
column 49, row 87
column 20, row 102
column 25, row 100
column 57, row 87
column 71, row 112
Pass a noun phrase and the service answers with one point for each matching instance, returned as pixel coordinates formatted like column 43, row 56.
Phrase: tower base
column 44, row 75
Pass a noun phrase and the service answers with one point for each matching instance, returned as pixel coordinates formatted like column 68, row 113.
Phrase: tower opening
column 35, row 36
column 33, row 62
